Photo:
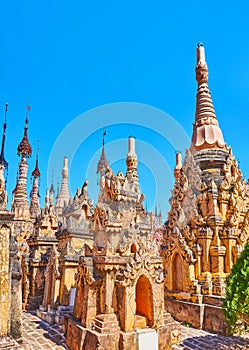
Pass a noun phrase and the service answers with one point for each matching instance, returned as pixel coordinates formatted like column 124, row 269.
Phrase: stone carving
column 207, row 223
column 141, row 263
column 123, row 273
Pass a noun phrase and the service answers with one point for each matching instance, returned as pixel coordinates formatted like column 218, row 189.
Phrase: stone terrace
column 38, row 335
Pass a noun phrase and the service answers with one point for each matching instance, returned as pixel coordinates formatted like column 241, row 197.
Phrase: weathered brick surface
column 185, row 311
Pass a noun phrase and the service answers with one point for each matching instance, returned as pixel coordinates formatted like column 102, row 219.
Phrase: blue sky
column 66, row 58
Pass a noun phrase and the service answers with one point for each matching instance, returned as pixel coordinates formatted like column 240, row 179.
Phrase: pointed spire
column 103, row 164
column 178, row 165
column 20, row 204
column 206, row 131
column 160, row 218
column 51, row 194
column 24, row 149
column 47, row 198
column 131, row 159
column 36, row 172
column 156, row 209
column 58, row 188
column 64, row 196
column 2, row 158
column 35, row 205
column 103, row 138
column 3, row 165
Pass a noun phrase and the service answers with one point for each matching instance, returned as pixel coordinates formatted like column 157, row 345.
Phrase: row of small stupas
column 50, row 241
column 119, row 299
column 102, row 262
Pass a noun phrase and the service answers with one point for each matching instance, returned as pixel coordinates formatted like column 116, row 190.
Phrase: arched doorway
column 177, row 273
column 144, row 302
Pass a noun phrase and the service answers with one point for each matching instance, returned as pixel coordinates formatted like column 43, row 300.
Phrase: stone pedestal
column 52, row 316
column 106, row 334
column 127, row 341
column 106, row 323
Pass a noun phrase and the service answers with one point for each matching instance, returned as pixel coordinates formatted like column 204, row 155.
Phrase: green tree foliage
column 236, row 303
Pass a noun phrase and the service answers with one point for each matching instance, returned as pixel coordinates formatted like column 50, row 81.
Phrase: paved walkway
column 38, row 335
column 195, row 339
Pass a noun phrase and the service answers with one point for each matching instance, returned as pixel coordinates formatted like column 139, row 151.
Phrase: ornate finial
column 131, row 159
column 36, row 171
column 51, row 190
column 58, row 187
column 38, row 148
column 2, row 158
column 24, row 149
column 51, row 193
column 5, row 114
column 201, row 68
column 103, row 139
column 102, row 163
column 178, row 165
column 27, row 114
column 35, row 205
column 64, row 195
column 206, row 131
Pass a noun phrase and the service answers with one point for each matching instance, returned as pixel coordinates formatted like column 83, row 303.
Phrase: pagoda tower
column 42, row 242
column 10, row 322
column 51, row 195
column 35, row 210
column 102, row 167
column 120, row 282
column 207, row 223
column 20, row 205
column 64, row 196
column 22, row 222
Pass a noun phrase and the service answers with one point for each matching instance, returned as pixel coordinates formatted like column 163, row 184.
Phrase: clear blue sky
column 66, row 58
